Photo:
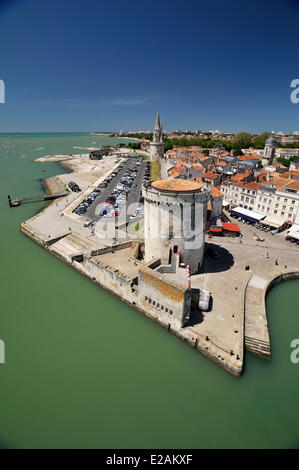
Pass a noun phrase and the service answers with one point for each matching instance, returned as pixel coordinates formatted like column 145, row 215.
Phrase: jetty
column 14, row 202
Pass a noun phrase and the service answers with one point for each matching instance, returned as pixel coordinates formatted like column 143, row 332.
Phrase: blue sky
column 84, row 65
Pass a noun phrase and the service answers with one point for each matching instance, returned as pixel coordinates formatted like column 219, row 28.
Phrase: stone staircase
column 262, row 348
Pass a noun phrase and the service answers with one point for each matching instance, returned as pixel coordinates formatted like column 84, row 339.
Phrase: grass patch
column 147, row 157
column 154, row 170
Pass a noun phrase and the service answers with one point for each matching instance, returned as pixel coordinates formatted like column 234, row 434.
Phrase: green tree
column 284, row 161
column 195, row 141
column 242, row 141
column 259, row 140
column 293, row 145
column 237, row 152
column 137, row 135
column 287, row 161
column 168, row 145
column 134, row 145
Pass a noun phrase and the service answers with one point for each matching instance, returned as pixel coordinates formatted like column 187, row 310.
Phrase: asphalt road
column 133, row 195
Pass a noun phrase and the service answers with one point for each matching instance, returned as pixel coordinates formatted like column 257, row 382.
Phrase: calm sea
column 85, row 370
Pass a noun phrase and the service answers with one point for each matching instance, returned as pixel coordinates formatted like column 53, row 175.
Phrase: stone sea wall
column 118, row 284
column 257, row 337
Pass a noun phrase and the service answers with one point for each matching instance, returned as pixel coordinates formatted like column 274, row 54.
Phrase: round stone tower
column 175, row 220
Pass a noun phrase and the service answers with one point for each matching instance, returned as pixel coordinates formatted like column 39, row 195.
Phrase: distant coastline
column 107, row 134
column 110, row 134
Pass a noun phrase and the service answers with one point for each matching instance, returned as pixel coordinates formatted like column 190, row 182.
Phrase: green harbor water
column 84, row 370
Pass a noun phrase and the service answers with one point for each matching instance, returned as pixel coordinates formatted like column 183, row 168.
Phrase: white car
column 204, row 299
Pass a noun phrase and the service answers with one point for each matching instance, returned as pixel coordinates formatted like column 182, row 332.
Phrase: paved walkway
column 227, row 280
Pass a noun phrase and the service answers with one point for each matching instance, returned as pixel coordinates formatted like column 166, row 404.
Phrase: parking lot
column 120, row 190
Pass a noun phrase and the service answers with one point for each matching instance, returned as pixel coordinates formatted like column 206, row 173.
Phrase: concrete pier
column 257, row 337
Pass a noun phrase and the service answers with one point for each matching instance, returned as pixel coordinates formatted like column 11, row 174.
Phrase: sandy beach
column 82, row 170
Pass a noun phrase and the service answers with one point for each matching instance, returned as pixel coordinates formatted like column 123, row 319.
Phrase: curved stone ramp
column 257, row 338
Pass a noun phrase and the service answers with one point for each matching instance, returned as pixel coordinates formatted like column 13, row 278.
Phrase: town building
column 240, row 193
column 286, row 153
column 276, row 196
column 294, row 165
column 145, row 145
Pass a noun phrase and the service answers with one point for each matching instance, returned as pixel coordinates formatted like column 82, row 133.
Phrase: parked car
column 204, row 300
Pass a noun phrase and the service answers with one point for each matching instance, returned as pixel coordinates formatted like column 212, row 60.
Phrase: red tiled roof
column 289, row 173
column 216, row 192
column 210, row 175
column 197, row 166
column 176, row 185
column 251, row 185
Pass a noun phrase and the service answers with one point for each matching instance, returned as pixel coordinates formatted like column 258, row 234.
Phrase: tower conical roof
column 158, row 123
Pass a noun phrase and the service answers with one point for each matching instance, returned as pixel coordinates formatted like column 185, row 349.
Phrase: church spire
column 158, row 123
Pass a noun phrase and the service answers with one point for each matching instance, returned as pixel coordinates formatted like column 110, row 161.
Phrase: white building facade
column 282, row 203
